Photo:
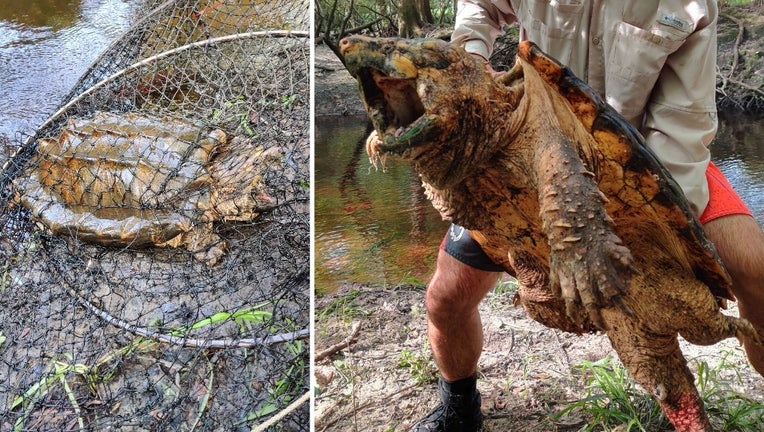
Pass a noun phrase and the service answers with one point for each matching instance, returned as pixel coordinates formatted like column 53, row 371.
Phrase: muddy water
column 45, row 46
column 371, row 227
column 378, row 228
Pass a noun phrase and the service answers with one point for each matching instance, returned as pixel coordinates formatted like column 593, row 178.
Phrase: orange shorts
column 722, row 200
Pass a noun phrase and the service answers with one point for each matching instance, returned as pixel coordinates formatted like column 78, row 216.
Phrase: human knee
column 444, row 296
column 456, row 288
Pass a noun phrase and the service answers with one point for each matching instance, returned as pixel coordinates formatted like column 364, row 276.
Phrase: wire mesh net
column 154, row 251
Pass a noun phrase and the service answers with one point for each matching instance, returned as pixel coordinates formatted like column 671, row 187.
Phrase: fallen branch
column 738, row 40
column 747, row 86
column 353, row 338
column 193, row 342
column 728, row 78
column 181, row 341
column 283, row 413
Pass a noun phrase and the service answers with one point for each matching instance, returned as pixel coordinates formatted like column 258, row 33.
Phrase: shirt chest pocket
column 558, row 19
column 634, row 63
column 553, row 25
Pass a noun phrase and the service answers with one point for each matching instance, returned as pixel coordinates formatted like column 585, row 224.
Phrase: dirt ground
column 526, row 372
column 336, row 93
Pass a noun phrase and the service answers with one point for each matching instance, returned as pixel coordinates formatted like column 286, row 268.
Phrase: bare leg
column 454, row 326
column 740, row 243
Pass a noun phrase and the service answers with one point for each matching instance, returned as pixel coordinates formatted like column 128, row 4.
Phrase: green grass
column 63, row 371
column 344, row 307
column 612, row 401
column 420, row 365
column 738, row 2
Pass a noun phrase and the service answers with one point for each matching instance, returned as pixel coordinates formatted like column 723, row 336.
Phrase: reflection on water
column 45, row 46
column 739, row 152
column 378, row 228
column 371, row 227
column 41, row 13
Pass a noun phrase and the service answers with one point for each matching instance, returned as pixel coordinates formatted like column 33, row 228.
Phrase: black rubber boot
column 458, row 411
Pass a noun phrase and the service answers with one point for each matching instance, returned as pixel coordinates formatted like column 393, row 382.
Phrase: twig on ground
column 283, row 413
column 193, row 342
column 353, row 338
column 183, row 341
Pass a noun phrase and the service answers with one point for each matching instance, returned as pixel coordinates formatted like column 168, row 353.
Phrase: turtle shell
column 651, row 184
column 124, row 179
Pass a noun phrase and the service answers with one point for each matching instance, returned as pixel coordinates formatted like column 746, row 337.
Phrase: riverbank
column 384, row 379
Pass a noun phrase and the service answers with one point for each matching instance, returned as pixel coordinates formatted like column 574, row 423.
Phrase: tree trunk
column 409, row 21
column 425, row 12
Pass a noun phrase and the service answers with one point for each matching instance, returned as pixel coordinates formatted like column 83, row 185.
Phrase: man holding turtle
column 655, row 63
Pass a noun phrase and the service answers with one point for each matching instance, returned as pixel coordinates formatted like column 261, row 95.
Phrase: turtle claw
column 624, row 307
column 593, row 280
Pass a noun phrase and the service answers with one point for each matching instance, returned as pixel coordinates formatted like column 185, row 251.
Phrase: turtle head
column 422, row 95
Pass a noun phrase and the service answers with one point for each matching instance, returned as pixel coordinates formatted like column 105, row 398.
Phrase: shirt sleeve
column 680, row 117
column 479, row 23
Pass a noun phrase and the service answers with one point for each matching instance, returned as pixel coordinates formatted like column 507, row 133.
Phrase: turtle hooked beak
column 388, row 85
column 395, row 109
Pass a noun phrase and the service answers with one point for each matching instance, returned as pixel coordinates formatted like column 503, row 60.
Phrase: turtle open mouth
column 395, row 108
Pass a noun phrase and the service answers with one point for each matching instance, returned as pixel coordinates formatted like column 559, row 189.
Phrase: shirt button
column 657, row 39
column 596, row 41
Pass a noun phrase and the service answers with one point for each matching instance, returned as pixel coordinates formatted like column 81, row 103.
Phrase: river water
column 45, row 46
column 377, row 228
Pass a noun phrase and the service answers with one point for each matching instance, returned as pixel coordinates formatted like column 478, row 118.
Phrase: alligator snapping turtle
column 561, row 191
column 132, row 180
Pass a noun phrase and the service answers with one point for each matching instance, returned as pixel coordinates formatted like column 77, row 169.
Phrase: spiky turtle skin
column 562, row 192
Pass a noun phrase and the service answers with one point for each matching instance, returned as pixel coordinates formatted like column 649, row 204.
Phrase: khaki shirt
column 654, row 61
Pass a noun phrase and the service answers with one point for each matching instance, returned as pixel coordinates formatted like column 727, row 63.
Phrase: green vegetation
column 250, row 315
column 613, row 401
column 411, row 281
column 420, row 365
column 738, row 2
column 507, row 287
column 63, row 372
column 285, row 388
column 27, row 253
column 343, row 307
column 235, row 115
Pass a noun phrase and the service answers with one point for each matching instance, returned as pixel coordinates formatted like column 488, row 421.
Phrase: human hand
column 487, row 65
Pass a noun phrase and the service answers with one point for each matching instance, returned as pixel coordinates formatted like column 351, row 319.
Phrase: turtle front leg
column 589, row 265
